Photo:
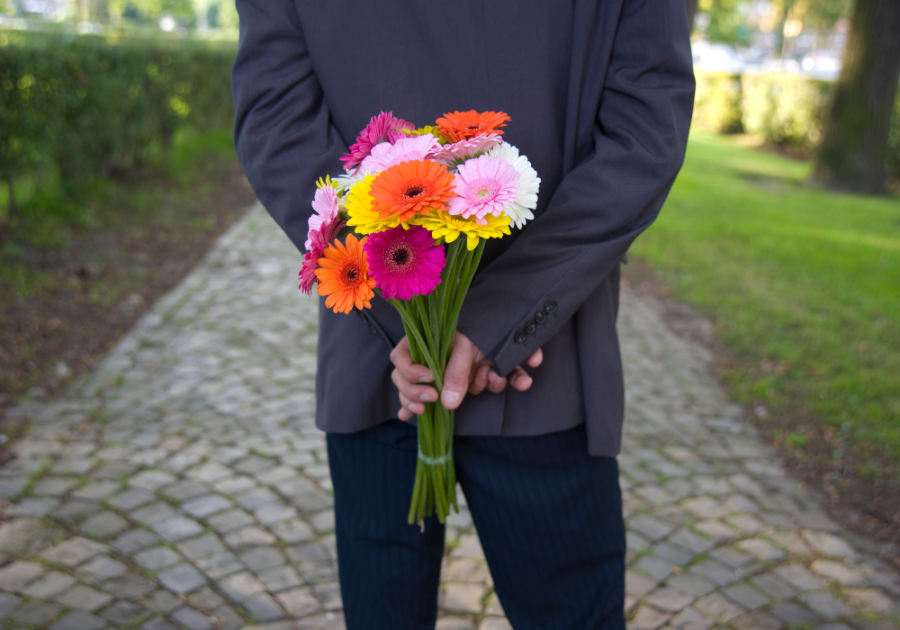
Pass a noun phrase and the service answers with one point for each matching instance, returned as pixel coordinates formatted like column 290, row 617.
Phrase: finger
column 402, row 360
column 496, row 383
column 519, row 379
column 413, row 392
column 479, row 379
column 412, row 406
column 536, row 358
column 459, row 369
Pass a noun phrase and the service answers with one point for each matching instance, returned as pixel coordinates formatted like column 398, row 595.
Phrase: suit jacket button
column 530, row 328
column 550, row 307
column 521, row 336
column 540, row 317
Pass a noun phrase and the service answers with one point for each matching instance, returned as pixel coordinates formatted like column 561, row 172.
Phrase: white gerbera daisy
column 519, row 211
column 345, row 181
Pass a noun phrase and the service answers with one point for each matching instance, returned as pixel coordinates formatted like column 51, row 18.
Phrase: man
column 600, row 94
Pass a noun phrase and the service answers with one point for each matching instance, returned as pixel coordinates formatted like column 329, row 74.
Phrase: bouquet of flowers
column 423, row 202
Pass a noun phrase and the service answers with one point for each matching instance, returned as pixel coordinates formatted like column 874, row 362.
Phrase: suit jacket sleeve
column 283, row 132
column 523, row 297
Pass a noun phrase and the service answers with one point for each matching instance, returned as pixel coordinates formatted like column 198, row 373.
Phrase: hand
column 467, row 371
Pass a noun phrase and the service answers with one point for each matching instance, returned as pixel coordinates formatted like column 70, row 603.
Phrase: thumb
column 459, row 369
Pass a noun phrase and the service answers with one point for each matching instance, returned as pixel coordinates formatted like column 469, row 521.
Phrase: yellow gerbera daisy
column 363, row 218
column 448, row 227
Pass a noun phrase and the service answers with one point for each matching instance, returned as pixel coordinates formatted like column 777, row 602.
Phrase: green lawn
column 803, row 285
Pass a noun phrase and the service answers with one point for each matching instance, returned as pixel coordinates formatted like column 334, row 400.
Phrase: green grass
column 802, row 284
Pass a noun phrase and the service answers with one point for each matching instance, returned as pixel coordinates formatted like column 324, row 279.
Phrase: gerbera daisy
column 461, row 125
column 411, row 188
column 344, row 276
column 325, row 204
column 443, row 225
column 386, row 155
column 317, row 242
column 459, row 152
column 404, row 263
column 382, row 128
column 483, row 186
column 364, row 219
column 529, row 183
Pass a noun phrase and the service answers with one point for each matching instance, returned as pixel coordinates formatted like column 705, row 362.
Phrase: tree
column 855, row 138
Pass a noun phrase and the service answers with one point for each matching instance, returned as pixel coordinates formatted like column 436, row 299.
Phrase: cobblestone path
column 183, row 485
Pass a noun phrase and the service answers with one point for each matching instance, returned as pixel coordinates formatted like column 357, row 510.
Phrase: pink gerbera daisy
column 325, row 203
column 386, row 155
column 404, row 263
column 483, row 186
column 461, row 151
column 315, row 248
column 382, row 128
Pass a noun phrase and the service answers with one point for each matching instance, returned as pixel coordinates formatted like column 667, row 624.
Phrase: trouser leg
column 389, row 570
column 550, row 521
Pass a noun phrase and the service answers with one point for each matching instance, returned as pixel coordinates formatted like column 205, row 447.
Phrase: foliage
column 93, row 106
column 785, row 109
column 150, row 9
column 801, row 284
column 717, row 102
column 727, row 21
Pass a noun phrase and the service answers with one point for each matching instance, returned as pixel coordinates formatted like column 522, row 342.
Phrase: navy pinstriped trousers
column 548, row 515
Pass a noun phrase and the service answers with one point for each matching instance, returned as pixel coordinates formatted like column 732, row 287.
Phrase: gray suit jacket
column 600, row 93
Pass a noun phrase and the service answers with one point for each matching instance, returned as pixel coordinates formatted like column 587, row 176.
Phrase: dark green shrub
column 717, row 102
column 97, row 106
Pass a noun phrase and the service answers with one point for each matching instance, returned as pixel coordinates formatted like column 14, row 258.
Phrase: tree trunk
column 691, row 12
column 858, row 116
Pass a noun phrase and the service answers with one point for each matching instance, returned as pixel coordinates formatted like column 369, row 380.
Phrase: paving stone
column 201, row 547
column 79, row 620
column 35, row 613
column 207, row 505
column 298, row 602
column 329, row 594
column 279, row 578
column 717, row 609
column 134, row 540
column 96, row 490
column 757, row 620
column 104, row 525
column 156, row 558
column 494, row 623
column 125, row 614
column 648, row 618
column 649, row 527
column 72, row 552
column 182, row 578
column 129, row 586
column 53, row 486
column 872, row 601
column 693, row 584
column 184, row 490
column 260, row 558
column 158, row 624
column 177, row 528
column 51, row 584
column 762, row 549
column 825, row 605
column 193, row 620
column 130, row 499
column 17, row 575
column 85, row 598
column 8, row 602
column 241, row 586
column 249, row 537
column 219, row 565
column 151, row 479
column 256, row 498
column 690, row 619
column 263, row 607
column 669, row 599
column 462, row 597
column 153, row 513
column 747, row 596
column 162, row 602
column 229, row 521
column 714, row 571
column 799, row 577
column 101, row 568
column 792, row 614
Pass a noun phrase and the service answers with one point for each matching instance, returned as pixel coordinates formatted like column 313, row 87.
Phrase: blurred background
column 783, row 229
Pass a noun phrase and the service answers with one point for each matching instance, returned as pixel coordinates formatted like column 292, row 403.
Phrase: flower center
column 350, row 274
column 473, row 127
column 414, row 191
column 399, row 257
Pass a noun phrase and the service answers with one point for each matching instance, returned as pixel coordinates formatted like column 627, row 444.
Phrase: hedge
column 92, row 105
column 784, row 109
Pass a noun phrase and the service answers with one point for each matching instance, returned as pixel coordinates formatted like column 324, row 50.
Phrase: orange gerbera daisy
column 462, row 125
column 410, row 188
column 344, row 276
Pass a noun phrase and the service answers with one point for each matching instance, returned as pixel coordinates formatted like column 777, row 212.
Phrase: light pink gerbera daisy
column 325, row 203
column 386, row 155
column 404, row 263
column 483, row 186
column 382, row 128
column 315, row 249
column 458, row 152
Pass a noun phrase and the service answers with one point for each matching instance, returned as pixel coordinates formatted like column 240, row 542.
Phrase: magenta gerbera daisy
column 458, row 152
column 404, row 263
column 483, row 186
column 382, row 128
column 315, row 248
column 325, row 204
column 386, row 155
